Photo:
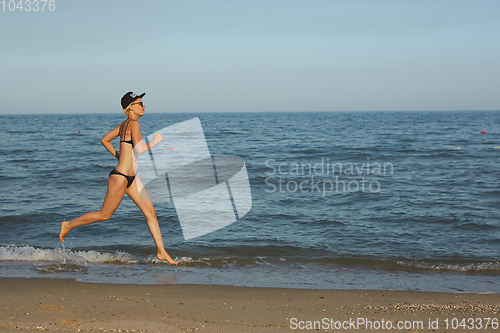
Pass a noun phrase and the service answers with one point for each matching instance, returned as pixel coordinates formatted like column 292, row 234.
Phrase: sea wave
column 489, row 267
column 62, row 259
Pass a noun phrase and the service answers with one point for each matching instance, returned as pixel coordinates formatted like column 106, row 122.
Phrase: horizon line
column 212, row 112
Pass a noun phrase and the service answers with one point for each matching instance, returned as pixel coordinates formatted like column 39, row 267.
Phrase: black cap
column 129, row 98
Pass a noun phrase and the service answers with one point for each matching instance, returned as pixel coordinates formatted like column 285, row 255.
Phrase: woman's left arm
column 106, row 141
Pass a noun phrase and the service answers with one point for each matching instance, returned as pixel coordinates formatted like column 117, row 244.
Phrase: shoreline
column 64, row 305
column 92, row 266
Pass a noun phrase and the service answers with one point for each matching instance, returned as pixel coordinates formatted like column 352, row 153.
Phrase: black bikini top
column 123, row 131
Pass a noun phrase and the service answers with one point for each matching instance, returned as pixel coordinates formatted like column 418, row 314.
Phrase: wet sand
column 57, row 305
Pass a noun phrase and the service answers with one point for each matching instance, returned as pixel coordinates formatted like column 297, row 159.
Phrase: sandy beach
column 58, row 305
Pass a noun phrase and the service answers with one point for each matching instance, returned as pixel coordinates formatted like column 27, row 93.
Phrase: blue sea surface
column 340, row 200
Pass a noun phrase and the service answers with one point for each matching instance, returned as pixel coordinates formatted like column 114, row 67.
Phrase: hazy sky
column 270, row 55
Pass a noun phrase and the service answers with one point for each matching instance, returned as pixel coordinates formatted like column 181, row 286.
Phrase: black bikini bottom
column 130, row 179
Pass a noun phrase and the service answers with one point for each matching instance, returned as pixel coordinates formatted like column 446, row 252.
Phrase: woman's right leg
column 116, row 190
column 144, row 203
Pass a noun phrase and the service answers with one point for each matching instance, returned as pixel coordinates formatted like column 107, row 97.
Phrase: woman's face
column 138, row 107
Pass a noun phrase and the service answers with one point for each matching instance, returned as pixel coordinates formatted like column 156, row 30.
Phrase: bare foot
column 166, row 257
column 64, row 230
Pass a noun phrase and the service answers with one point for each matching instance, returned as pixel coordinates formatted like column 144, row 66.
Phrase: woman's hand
column 141, row 147
column 157, row 137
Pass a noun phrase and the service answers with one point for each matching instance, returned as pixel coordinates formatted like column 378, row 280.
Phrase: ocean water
column 340, row 200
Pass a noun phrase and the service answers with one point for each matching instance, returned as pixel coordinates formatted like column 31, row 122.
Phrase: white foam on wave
column 105, row 257
column 80, row 258
column 189, row 261
column 484, row 267
column 155, row 260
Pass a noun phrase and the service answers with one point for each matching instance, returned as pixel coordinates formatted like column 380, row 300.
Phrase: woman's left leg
column 146, row 206
column 114, row 195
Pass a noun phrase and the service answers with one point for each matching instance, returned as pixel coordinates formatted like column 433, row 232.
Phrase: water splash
column 61, row 255
column 64, row 251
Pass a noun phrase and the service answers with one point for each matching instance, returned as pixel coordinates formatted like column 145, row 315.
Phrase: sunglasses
column 138, row 103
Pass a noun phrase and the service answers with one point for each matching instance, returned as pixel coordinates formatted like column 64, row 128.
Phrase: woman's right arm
column 106, row 141
column 139, row 145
